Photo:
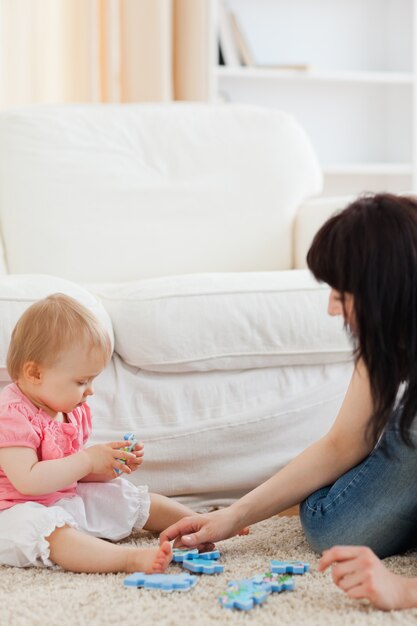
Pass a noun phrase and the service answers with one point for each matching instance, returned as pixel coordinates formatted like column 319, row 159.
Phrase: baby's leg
column 164, row 512
column 78, row 552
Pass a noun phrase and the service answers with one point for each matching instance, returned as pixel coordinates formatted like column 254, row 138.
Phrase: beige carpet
column 44, row 598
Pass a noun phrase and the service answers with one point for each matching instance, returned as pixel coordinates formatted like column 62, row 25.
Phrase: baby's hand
column 105, row 458
column 138, row 451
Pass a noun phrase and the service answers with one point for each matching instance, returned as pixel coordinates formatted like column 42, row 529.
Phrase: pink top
column 23, row 424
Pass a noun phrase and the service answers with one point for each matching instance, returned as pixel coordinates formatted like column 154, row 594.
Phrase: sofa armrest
column 310, row 217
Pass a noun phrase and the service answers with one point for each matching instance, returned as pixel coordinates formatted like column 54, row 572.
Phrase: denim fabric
column 373, row 504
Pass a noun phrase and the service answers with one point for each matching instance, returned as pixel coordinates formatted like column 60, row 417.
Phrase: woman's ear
column 32, row 372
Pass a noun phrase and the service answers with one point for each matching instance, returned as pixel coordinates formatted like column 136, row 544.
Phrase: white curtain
column 105, row 50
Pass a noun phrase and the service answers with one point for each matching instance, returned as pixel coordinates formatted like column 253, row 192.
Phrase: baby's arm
column 33, row 477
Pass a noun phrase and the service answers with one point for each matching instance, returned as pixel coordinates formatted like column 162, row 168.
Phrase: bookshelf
column 346, row 70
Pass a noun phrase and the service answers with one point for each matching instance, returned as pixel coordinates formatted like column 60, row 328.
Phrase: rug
column 38, row 597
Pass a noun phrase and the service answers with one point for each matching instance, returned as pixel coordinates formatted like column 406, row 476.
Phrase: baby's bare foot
column 163, row 558
column 150, row 560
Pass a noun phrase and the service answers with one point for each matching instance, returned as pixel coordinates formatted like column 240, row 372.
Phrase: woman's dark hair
column 370, row 250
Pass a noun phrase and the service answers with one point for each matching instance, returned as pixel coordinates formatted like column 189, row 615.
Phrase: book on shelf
column 227, row 39
column 243, row 46
column 220, row 58
column 236, row 49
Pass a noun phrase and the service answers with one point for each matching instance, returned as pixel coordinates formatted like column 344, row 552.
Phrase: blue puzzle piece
column 209, row 556
column 276, row 582
column 128, row 437
column 202, row 566
column 164, row 582
column 243, row 595
column 178, row 555
column 289, row 567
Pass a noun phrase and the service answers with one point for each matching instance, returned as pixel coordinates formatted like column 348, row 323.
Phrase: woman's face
column 342, row 305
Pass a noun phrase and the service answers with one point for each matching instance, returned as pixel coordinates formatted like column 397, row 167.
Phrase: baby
column 60, row 500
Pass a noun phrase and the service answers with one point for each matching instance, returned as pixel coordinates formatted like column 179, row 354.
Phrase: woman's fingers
column 348, row 565
column 188, row 532
column 349, row 581
column 338, row 554
column 342, row 569
column 358, row 572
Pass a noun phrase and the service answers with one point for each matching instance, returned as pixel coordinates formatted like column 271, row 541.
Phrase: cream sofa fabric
column 17, row 292
column 206, row 322
column 176, row 183
column 175, row 223
column 211, row 436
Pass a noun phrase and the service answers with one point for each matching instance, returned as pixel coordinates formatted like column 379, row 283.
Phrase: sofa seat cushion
column 202, row 322
column 19, row 291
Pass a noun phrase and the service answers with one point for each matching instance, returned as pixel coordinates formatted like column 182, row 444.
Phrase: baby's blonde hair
column 49, row 327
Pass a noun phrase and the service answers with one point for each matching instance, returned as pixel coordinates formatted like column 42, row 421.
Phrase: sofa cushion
column 213, row 436
column 134, row 191
column 202, row 322
column 18, row 292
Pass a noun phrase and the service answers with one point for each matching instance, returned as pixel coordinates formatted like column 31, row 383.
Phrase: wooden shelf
column 368, row 169
column 262, row 73
column 348, row 76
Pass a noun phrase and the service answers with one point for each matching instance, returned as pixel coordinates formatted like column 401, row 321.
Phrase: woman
column 357, row 484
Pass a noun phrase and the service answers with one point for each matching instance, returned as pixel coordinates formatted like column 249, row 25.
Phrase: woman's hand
column 105, row 458
column 358, row 572
column 197, row 531
column 138, row 451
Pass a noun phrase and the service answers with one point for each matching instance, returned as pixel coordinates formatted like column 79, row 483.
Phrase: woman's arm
column 33, row 477
column 343, row 447
column 322, row 463
column 358, row 572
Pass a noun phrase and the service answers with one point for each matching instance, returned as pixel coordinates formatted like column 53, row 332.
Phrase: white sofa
column 182, row 226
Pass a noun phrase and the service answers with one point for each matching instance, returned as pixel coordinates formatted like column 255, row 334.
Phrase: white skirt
column 107, row 510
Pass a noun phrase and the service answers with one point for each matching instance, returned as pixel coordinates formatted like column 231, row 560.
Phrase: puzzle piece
column 209, row 556
column 277, row 582
column 198, row 562
column 213, row 554
column 178, row 555
column 289, row 567
column 243, row 595
column 164, row 582
column 128, row 437
column 203, row 565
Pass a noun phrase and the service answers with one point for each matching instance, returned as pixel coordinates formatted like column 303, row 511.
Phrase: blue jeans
column 374, row 504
